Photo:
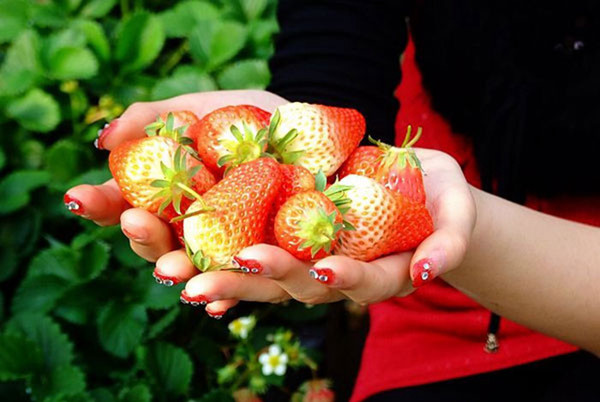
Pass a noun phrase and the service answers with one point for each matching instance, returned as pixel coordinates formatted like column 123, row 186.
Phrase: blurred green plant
column 82, row 319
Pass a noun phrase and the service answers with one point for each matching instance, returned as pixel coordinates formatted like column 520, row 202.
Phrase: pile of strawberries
column 297, row 179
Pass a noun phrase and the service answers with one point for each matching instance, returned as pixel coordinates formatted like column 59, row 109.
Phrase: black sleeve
column 342, row 53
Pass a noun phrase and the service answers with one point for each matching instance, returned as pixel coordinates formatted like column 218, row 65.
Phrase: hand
column 149, row 236
column 281, row 277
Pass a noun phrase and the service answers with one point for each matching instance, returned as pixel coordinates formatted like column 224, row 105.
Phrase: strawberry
column 318, row 137
column 230, row 136
column 314, row 391
column 386, row 222
column 245, row 395
column 308, row 225
column 234, row 214
column 294, row 179
column 157, row 174
column 397, row 168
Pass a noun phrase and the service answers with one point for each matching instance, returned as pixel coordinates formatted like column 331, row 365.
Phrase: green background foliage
column 81, row 317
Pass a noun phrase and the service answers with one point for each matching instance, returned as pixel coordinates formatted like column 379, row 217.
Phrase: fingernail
column 73, row 205
column 323, row 275
column 194, row 301
column 104, row 132
column 216, row 315
column 248, row 266
column 164, row 279
column 139, row 237
column 424, row 271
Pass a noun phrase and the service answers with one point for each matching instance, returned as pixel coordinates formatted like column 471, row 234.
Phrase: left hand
column 334, row 278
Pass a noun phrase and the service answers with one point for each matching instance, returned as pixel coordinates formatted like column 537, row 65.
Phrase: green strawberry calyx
column 177, row 183
column 401, row 156
column 166, row 128
column 278, row 147
column 245, row 146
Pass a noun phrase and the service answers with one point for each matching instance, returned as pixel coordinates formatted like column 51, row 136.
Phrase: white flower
column 242, row 326
column 273, row 361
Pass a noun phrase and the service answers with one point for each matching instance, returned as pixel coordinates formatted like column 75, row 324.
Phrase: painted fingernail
column 424, row 271
column 104, row 132
column 248, row 266
column 323, row 275
column 73, row 205
column 194, row 301
column 164, row 279
column 215, row 315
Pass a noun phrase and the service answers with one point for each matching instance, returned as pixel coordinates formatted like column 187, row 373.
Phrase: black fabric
column 572, row 377
column 342, row 53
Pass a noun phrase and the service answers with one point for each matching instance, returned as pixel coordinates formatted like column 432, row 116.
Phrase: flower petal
column 280, row 369
column 274, row 350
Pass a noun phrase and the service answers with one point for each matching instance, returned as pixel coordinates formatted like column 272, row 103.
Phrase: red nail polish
column 216, row 315
column 424, row 271
column 164, row 279
column 248, row 266
column 104, row 132
column 195, row 301
column 323, row 275
column 73, row 205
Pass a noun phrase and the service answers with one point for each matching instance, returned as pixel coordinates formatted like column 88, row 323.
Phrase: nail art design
column 73, row 205
column 164, row 279
column 323, row 275
column 104, row 132
column 194, row 301
column 424, row 271
column 247, row 266
column 216, row 315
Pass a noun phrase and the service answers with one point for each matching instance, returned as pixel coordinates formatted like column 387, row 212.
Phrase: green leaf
column 253, row 9
column 120, row 327
column 58, row 261
column 102, row 395
column 13, row 18
column 93, row 176
column 94, row 260
column 19, row 357
column 97, row 8
column 180, row 20
column 216, row 395
column 213, row 43
column 72, row 63
column 171, row 367
column 2, row 159
column 36, row 111
column 21, row 68
column 246, row 74
column 8, row 262
column 49, row 15
column 139, row 41
column 39, row 294
column 163, row 323
column 125, row 255
column 62, row 381
column 56, row 348
column 95, row 37
column 186, row 79
column 138, row 393
column 64, row 160
column 160, row 297
column 15, row 188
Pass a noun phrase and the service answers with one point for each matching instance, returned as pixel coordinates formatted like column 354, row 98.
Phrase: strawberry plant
column 81, row 318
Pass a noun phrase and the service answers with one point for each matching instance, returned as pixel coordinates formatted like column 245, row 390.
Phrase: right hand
column 149, row 236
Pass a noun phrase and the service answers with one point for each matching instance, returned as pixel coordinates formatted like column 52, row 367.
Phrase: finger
column 365, row 282
column 218, row 308
column 289, row 272
column 149, row 236
column 174, row 267
column 102, row 204
column 445, row 248
column 222, row 285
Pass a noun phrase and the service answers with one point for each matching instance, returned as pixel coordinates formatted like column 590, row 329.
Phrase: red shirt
column 437, row 333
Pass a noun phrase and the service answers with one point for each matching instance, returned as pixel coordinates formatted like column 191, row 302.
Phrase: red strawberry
column 318, row 137
column 397, row 168
column 314, row 391
column 156, row 172
column 234, row 215
column 245, row 395
column 294, row 179
column 230, row 136
column 308, row 225
column 386, row 222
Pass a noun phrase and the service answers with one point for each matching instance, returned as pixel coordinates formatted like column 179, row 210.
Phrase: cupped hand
column 273, row 275
column 149, row 236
